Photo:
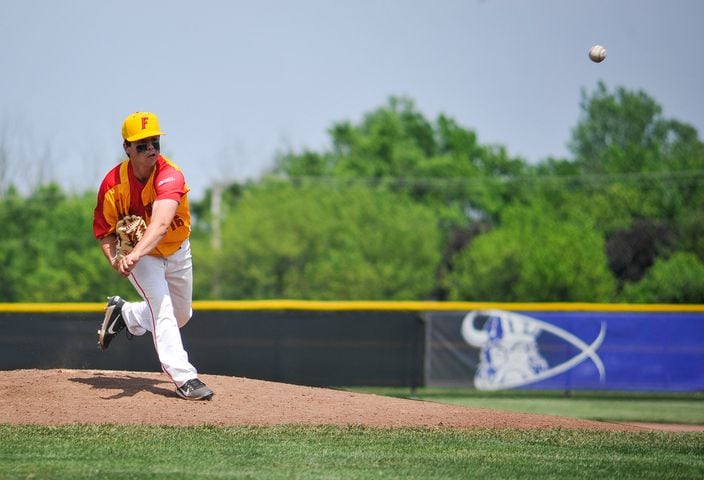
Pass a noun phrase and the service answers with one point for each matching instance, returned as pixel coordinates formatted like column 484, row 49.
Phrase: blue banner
column 496, row 349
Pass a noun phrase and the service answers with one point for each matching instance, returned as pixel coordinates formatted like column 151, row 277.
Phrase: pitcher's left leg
column 179, row 275
column 149, row 278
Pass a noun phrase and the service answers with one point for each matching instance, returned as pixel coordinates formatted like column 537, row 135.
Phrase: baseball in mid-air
column 597, row 53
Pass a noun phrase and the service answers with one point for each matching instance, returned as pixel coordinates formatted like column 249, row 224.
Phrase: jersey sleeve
column 105, row 210
column 170, row 184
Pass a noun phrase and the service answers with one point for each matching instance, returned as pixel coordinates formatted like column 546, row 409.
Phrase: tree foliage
column 325, row 242
column 678, row 279
column 405, row 207
column 48, row 252
column 650, row 166
column 431, row 160
column 534, row 253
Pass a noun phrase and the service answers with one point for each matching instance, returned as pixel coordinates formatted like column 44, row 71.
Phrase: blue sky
column 233, row 82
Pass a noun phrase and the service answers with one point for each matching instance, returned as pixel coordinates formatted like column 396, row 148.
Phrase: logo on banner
column 510, row 355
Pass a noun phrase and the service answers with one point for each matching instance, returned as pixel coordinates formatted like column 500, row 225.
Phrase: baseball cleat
column 194, row 389
column 113, row 323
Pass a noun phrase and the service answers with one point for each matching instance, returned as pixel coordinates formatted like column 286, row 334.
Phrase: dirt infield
column 58, row 397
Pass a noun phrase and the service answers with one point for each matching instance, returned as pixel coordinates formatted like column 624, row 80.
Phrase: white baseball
column 597, row 53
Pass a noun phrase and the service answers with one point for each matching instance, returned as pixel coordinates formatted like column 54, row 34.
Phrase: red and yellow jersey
column 121, row 193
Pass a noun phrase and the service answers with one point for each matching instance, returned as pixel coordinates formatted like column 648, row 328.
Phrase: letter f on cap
column 140, row 125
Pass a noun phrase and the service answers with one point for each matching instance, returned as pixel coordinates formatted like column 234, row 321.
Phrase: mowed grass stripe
column 92, row 451
column 657, row 407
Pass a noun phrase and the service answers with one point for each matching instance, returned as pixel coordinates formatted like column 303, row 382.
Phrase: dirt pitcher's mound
column 56, row 397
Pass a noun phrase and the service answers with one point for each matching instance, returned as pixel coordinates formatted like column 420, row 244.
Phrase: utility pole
column 216, row 216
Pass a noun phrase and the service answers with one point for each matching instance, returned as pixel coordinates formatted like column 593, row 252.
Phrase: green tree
column 403, row 207
column 639, row 168
column 323, row 242
column 624, row 132
column 645, row 161
column 534, row 255
column 678, row 279
column 440, row 163
column 49, row 252
column 14, row 256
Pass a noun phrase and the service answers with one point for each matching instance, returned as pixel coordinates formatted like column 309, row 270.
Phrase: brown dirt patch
column 59, row 397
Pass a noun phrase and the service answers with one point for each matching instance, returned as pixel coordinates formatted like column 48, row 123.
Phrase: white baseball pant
column 166, row 287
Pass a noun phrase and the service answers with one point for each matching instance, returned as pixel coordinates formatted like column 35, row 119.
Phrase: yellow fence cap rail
column 361, row 305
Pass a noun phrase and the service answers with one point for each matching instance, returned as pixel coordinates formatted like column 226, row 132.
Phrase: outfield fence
column 490, row 346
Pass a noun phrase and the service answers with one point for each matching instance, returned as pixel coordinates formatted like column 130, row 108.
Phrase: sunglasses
column 142, row 147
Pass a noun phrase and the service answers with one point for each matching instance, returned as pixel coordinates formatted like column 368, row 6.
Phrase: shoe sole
column 104, row 326
column 207, row 396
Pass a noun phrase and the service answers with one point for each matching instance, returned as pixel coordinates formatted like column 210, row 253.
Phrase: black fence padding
column 319, row 348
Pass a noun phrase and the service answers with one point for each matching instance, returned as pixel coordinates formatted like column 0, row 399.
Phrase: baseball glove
column 129, row 230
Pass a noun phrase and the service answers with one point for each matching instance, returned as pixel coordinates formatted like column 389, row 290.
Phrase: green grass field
column 138, row 452
column 687, row 408
column 152, row 452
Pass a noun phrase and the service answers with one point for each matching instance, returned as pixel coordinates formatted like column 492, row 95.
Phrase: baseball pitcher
column 142, row 221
